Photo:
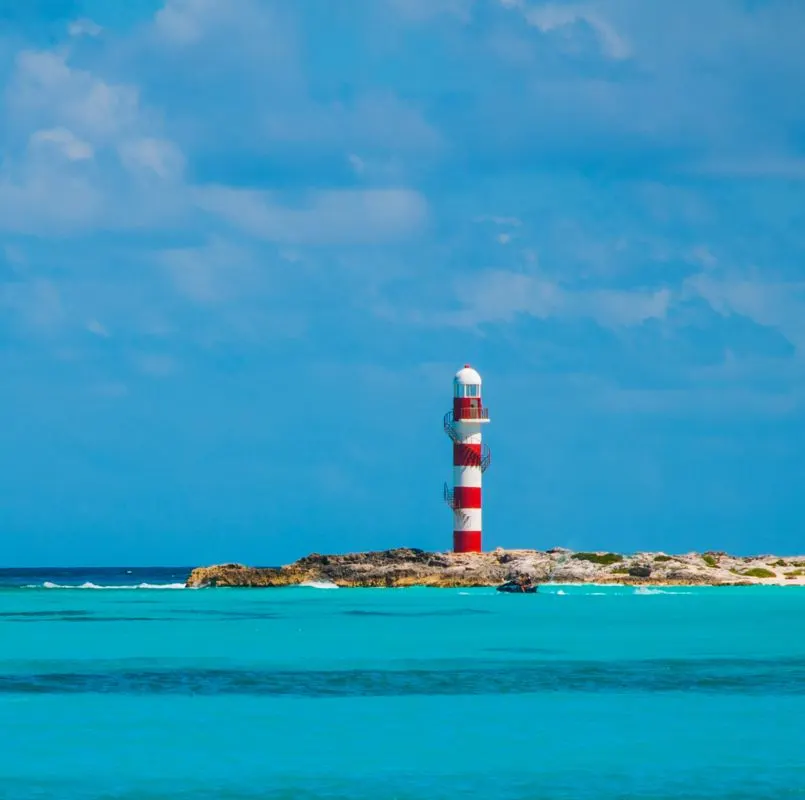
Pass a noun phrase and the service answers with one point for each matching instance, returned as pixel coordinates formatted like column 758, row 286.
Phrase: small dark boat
column 518, row 587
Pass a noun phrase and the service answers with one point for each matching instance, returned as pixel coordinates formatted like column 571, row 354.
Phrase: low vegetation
column 758, row 572
column 663, row 558
column 598, row 558
column 710, row 560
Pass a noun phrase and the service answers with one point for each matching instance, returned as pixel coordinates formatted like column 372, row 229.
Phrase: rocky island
column 412, row 567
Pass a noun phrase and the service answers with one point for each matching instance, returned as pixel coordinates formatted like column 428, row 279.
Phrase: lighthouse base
column 466, row 541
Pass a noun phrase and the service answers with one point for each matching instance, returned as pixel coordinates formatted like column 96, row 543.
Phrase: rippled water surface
column 147, row 690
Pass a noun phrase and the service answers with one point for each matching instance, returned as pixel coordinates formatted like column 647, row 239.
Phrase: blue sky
column 244, row 246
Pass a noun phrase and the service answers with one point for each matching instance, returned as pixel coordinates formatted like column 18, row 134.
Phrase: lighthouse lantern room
column 470, row 459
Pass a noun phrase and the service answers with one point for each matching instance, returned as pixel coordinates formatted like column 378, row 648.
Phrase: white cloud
column 553, row 17
column 64, row 141
column 776, row 305
column 75, row 114
column 378, row 120
column 213, row 273
column 42, row 200
column 158, row 156
column 84, row 27
column 357, row 163
column 508, row 222
column 500, row 296
column 327, row 217
column 46, row 90
column 701, row 255
column 378, row 171
column 97, row 328
column 255, row 26
column 186, row 21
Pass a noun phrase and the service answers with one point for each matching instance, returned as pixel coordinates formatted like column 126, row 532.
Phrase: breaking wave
column 649, row 590
column 318, row 585
column 89, row 585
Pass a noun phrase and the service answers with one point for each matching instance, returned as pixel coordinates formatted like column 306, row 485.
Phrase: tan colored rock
column 411, row 567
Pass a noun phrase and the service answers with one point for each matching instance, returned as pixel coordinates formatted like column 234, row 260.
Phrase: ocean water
column 313, row 692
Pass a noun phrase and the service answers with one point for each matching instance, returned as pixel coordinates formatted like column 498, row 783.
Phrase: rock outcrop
column 411, row 567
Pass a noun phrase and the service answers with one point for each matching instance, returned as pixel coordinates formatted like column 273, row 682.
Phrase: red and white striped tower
column 470, row 459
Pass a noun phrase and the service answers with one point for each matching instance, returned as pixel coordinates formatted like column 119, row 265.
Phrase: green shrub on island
column 779, row 563
column 711, row 561
column 758, row 572
column 621, row 571
column 598, row 558
column 663, row 558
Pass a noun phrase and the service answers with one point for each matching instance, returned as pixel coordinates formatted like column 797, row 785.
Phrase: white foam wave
column 89, row 585
column 318, row 585
column 648, row 590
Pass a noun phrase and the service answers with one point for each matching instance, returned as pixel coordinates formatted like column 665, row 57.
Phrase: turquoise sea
column 576, row 692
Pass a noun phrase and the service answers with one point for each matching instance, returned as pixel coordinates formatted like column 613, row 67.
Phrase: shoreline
column 410, row 567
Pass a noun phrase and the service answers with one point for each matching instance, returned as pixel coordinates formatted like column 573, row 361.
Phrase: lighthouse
column 470, row 459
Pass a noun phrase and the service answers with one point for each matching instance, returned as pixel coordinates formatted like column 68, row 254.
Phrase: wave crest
column 318, row 585
column 88, row 585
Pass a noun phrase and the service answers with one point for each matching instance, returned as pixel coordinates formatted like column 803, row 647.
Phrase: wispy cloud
column 552, row 17
column 65, row 141
column 38, row 200
column 498, row 296
column 159, row 157
column 46, row 89
column 327, row 217
column 774, row 304
column 97, row 328
column 374, row 120
column 213, row 273
column 84, row 27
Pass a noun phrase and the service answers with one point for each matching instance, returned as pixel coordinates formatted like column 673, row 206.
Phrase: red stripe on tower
column 466, row 455
column 470, row 459
column 467, row 496
column 467, row 541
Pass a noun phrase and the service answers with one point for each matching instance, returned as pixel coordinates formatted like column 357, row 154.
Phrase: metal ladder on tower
column 473, row 459
column 450, row 499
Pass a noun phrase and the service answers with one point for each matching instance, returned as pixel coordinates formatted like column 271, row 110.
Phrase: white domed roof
column 467, row 375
